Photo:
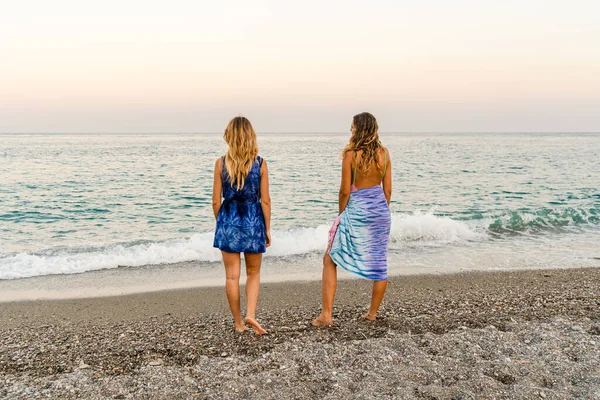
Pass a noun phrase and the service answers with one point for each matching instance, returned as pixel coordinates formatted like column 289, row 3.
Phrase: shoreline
column 152, row 302
column 501, row 334
column 189, row 275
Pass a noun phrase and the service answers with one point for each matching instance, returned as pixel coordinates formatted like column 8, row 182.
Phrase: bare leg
column 376, row 298
column 232, row 287
column 253, row 262
column 328, row 287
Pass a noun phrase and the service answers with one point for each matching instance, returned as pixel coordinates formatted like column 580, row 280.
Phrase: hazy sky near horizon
column 189, row 66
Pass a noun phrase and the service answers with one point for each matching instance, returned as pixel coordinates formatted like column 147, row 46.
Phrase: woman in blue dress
column 242, row 208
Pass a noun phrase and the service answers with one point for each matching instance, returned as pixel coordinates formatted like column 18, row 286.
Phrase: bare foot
column 370, row 317
column 322, row 321
column 259, row 330
column 242, row 328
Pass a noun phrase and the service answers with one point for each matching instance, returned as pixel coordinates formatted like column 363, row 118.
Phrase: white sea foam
column 198, row 247
column 428, row 227
column 299, row 241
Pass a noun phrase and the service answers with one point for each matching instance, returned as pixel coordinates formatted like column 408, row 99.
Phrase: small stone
column 269, row 381
column 576, row 328
column 223, row 354
column 542, row 395
column 592, row 342
column 155, row 363
column 83, row 366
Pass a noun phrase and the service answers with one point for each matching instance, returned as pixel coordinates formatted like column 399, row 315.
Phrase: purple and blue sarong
column 360, row 243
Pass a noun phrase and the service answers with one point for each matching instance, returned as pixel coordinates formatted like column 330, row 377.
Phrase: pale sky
column 299, row 66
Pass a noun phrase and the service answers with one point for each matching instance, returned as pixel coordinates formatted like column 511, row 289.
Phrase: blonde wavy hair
column 242, row 152
column 366, row 139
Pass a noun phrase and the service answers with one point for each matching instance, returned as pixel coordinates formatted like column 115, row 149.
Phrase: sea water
column 480, row 201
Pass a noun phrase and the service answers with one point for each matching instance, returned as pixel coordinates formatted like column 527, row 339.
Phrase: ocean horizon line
column 314, row 133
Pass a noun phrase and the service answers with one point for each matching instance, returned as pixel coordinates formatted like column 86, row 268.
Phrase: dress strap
column 355, row 165
column 223, row 176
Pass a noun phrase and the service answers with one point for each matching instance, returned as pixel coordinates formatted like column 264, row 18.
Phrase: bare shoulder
column 349, row 155
column 219, row 162
column 263, row 165
column 385, row 152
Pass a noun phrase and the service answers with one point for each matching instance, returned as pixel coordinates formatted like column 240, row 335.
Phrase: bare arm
column 387, row 179
column 346, row 181
column 265, row 199
column 217, row 187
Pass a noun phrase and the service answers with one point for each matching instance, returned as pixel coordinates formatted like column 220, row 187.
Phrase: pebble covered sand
column 499, row 335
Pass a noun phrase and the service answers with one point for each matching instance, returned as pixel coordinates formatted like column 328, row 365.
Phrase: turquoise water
column 76, row 203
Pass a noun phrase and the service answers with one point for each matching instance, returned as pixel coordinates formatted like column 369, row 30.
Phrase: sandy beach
column 503, row 335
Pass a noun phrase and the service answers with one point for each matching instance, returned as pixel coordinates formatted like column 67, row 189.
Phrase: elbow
column 344, row 193
column 265, row 201
column 216, row 204
column 388, row 195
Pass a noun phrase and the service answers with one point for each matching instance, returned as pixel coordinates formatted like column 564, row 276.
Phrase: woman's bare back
column 375, row 176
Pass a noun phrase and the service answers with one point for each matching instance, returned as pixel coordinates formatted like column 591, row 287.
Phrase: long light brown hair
column 365, row 139
column 242, row 151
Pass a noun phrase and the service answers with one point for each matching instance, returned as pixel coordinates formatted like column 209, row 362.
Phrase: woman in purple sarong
column 359, row 236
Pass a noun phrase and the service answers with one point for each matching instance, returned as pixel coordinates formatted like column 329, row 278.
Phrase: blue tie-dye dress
column 240, row 222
